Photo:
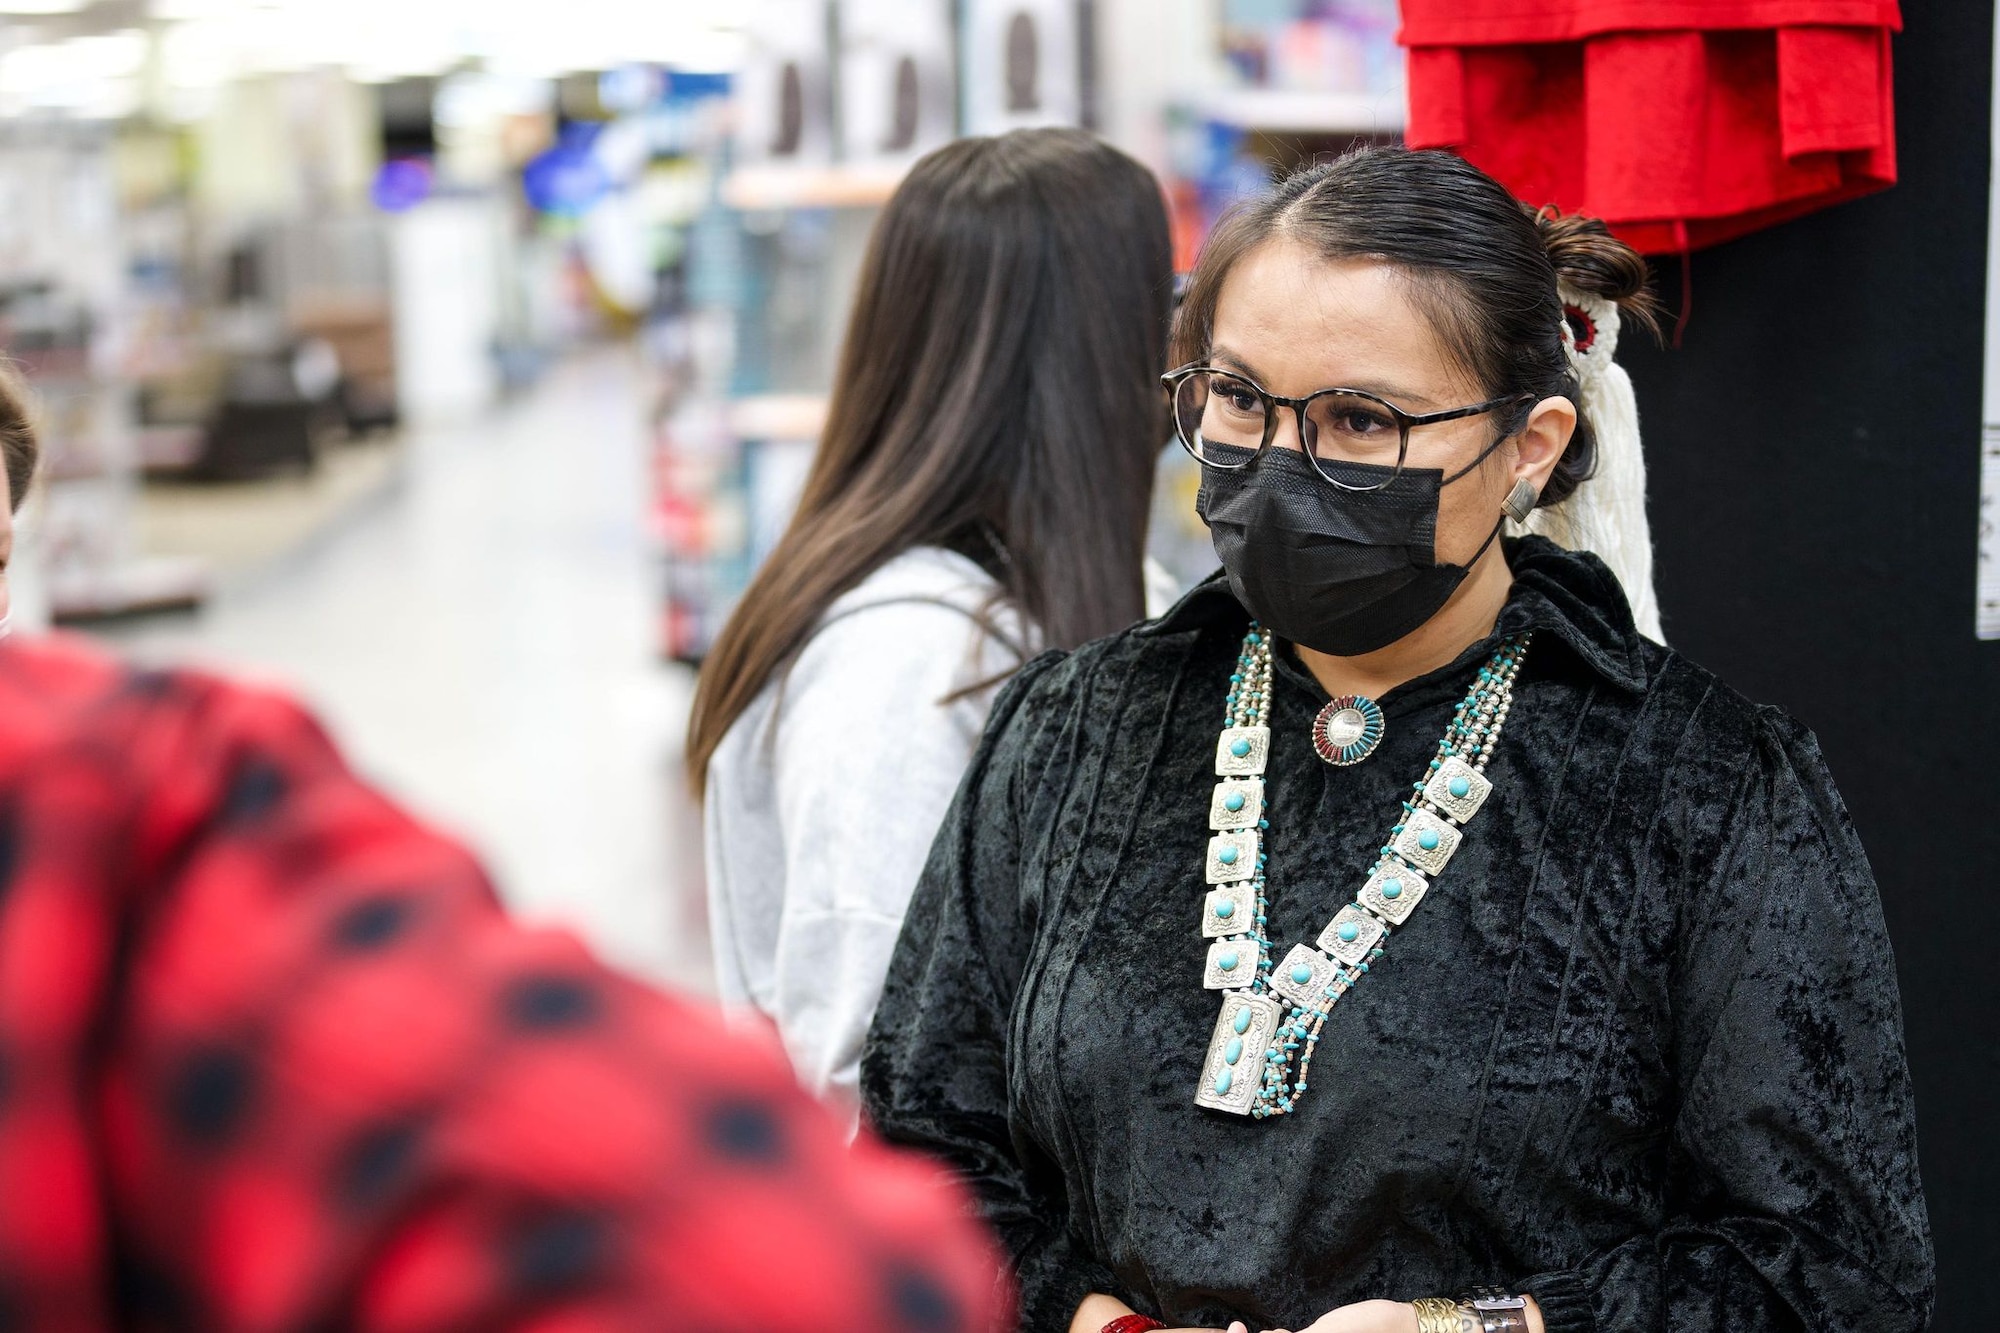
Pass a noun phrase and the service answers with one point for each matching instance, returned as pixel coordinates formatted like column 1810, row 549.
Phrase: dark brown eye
column 1354, row 427
column 1362, row 423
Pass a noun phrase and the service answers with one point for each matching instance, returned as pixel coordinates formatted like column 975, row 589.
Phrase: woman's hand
column 1396, row 1317
column 1098, row 1310
column 1367, row 1317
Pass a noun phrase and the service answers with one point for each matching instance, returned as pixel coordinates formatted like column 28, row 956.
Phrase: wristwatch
column 1498, row 1312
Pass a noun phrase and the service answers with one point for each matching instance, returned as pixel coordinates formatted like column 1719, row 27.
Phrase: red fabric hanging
column 1699, row 120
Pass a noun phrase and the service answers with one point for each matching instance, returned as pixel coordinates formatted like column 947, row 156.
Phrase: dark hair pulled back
column 1484, row 268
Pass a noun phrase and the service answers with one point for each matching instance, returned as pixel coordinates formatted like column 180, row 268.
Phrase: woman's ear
column 1540, row 445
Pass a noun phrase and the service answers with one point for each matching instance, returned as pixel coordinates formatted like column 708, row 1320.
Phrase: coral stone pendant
column 1347, row 730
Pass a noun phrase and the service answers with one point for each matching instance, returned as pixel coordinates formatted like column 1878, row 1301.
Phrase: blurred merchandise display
column 62, row 324
column 832, row 103
column 217, row 272
column 309, row 224
column 1313, row 46
column 1296, row 79
column 762, row 294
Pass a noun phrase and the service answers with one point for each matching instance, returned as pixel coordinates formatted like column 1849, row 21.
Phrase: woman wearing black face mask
column 1391, row 939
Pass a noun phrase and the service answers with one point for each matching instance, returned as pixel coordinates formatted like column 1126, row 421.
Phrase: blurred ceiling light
column 197, row 55
column 95, row 77
column 206, row 43
column 111, row 54
column 53, row 65
column 181, row 11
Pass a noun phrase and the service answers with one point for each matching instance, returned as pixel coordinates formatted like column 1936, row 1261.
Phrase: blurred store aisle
column 480, row 637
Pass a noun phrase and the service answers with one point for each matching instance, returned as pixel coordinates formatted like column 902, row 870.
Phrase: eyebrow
column 1415, row 403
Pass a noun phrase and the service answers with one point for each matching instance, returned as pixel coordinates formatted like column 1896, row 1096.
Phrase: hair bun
column 1588, row 258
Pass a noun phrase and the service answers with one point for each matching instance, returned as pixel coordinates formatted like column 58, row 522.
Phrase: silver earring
column 1520, row 501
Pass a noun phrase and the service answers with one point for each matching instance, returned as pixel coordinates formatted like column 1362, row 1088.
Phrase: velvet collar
column 1570, row 595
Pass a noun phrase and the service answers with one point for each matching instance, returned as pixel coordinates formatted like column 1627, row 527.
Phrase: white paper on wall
column 898, row 91
column 1024, row 64
column 785, row 89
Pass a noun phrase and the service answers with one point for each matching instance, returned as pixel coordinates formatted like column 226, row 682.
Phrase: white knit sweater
column 825, row 795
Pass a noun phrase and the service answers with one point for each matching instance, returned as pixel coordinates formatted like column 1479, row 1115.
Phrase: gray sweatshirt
column 825, row 795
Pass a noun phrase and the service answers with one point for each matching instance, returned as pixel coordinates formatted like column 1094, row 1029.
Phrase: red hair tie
column 1582, row 328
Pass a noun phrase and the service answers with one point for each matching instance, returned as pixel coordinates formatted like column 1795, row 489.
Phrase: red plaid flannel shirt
column 272, row 1058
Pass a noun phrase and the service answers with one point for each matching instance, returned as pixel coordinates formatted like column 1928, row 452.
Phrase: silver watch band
column 1499, row 1312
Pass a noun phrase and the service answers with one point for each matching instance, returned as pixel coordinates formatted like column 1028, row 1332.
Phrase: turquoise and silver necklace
column 1271, row 1017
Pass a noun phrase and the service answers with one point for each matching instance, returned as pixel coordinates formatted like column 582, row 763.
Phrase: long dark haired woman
column 1391, row 921
column 981, row 490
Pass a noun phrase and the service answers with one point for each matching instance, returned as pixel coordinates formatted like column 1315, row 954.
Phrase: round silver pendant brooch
column 1347, row 730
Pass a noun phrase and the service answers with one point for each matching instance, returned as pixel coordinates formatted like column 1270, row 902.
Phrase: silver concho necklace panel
column 1229, row 909
column 1241, row 751
column 1232, row 855
column 1458, row 789
column 1393, row 891
column 1305, row 977
column 1427, row 842
column 1351, row 934
column 1243, row 1030
column 1230, row 963
column 1246, row 794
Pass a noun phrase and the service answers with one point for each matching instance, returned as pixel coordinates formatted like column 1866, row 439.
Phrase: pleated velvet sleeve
column 937, row 1073
column 1790, row 1173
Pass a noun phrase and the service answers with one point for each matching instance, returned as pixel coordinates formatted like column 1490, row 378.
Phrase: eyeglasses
column 1225, row 421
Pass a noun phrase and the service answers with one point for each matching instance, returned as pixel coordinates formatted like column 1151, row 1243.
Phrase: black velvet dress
column 1639, row 1050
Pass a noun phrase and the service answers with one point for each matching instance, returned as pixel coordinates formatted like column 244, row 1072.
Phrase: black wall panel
column 1814, row 455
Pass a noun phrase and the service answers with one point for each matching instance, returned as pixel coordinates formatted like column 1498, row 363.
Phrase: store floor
column 478, row 633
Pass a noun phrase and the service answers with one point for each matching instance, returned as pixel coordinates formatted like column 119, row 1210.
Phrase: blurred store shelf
column 793, row 186
column 241, row 527
column 134, row 586
column 1305, row 112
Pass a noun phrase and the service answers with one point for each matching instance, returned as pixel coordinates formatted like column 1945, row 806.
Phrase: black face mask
column 1342, row 572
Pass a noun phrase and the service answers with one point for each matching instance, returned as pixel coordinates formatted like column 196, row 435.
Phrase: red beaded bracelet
column 1132, row 1323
